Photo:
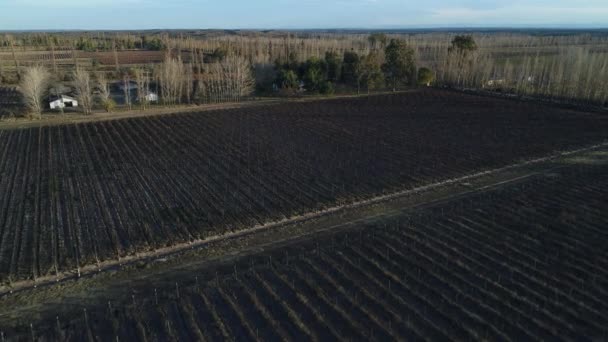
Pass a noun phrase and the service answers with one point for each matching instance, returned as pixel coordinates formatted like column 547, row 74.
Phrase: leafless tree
column 171, row 76
column 34, row 85
column 83, row 88
column 1, row 71
column 238, row 71
column 189, row 82
column 116, row 65
column 103, row 86
column 11, row 41
column 229, row 80
column 126, row 81
column 143, row 86
column 53, row 61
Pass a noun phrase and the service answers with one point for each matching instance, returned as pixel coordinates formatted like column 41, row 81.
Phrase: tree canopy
column 400, row 65
column 376, row 39
column 464, row 44
column 425, row 76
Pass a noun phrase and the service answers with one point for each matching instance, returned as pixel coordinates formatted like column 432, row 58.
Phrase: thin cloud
column 76, row 3
column 521, row 13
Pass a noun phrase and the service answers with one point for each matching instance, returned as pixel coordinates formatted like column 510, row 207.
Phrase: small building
column 495, row 82
column 151, row 97
column 62, row 101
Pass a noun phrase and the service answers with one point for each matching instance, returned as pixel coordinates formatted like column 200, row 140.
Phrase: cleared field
column 81, row 194
column 526, row 261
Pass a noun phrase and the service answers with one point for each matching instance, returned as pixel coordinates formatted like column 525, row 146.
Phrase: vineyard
column 78, row 195
column 525, row 261
column 10, row 102
column 9, row 96
column 67, row 58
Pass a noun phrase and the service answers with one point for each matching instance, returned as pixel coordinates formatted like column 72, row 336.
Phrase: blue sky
column 146, row 14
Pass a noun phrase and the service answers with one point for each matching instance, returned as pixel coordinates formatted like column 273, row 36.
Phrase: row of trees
column 36, row 81
column 99, row 41
column 576, row 74
column 225, row 73
column 389, row 63
column 228, row 79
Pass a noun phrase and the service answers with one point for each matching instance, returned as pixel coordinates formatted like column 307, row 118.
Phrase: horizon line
column 388, row 28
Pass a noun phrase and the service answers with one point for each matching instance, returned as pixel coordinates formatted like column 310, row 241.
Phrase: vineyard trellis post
column 53, row 61
column 11, row 41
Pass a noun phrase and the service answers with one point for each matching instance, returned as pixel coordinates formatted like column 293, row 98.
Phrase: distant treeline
column 565, row 67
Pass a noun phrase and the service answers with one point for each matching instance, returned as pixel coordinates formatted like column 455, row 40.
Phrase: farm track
column 77, row 197
column 516, row 259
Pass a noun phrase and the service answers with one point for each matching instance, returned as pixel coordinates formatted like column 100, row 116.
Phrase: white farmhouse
column 62, row 101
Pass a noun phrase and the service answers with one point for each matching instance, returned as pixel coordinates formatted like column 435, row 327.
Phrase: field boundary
column 134, row 114
column 176, row 249
column 557, row 103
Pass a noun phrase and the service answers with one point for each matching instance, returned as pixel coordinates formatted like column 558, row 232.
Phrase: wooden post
column 15, row 57
column 53, row 58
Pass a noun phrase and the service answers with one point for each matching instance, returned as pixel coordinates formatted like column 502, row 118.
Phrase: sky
column 298, row 14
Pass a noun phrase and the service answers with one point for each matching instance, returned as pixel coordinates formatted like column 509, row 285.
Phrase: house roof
column 61, row 97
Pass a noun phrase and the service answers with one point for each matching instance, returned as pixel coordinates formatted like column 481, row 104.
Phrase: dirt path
column 58, row 120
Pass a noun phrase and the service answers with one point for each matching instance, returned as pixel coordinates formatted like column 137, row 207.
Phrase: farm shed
column 151, row 97
column 62, row 101
column 494, row 82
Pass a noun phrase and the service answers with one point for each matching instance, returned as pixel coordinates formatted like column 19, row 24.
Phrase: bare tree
column 53, row 61
column 1, row 71
column 82, row 85
column 143, row 86
column 11, row 41
column 171, row 75
column 229, row 80
column 116, row 65
column 240, row 74
column 103, row 86
column 126, row 81
column 34, row 85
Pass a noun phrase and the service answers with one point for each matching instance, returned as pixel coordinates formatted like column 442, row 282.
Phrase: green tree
column 315, row 74
column 400, row 65
column 461, row 57
column 327, row 88
column 463, row 44
column 350, row 68
column 425, row 76
column 108, row 105
column 288, row 80
column 370, row 71
column 154, row 43
column 334, row 66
